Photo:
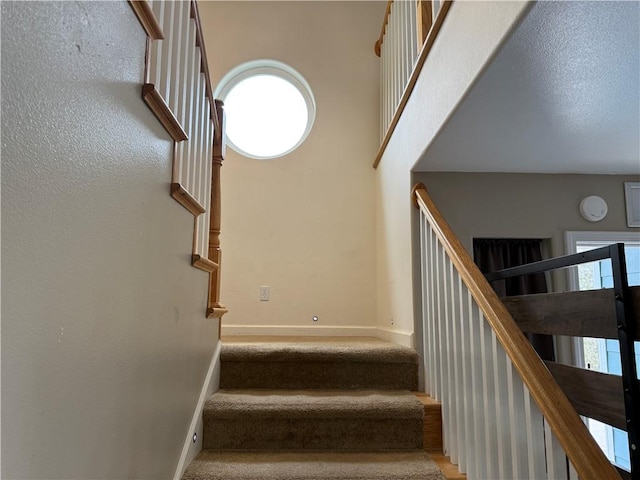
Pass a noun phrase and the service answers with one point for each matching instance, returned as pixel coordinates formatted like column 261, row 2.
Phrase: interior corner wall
column 468, row 39
column 105, row 346
column 303, row 224
column 510, row 205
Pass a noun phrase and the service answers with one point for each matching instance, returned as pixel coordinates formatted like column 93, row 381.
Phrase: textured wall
column 469, row 37
column 304, row 223
column 104, row 342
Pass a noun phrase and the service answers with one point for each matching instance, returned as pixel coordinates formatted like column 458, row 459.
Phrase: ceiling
column 562, row 96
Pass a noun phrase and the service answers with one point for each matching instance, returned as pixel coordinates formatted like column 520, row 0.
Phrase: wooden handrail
column 147, row 19
column 385, row 21
column 584, row 453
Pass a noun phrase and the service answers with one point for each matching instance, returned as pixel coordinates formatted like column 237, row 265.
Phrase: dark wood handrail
column 578, row 444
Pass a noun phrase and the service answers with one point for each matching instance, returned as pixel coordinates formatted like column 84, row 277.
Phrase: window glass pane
column 269, row 106
column 266, row 115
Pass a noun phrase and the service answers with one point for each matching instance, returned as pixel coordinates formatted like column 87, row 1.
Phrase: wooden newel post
column 215, row 308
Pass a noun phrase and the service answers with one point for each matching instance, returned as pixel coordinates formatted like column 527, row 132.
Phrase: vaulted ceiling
column 561, row 96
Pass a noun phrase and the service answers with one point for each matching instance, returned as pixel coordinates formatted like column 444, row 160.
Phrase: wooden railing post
column 215, row 308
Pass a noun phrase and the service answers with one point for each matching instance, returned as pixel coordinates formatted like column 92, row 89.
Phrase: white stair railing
column 177, row 79
column 399, row 48
column 492, row 385
column 178, row 91
column 408, row 31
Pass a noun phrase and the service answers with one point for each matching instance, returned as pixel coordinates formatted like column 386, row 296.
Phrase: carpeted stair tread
column 321, row 349
column 324, row 465
column 318, row 363
column 261, row 403
column 312, row 419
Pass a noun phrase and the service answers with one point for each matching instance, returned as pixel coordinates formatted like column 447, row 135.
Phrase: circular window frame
column 276, row 69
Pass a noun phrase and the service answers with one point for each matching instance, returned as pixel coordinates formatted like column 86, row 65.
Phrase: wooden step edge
column 448, row 469
column 432, row 422
column 432, row 430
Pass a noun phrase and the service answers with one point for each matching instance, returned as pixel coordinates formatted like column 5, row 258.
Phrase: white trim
column 401, row 338
column 189, row 448
column 633, row 208
column 295, row 331
column 572, row 238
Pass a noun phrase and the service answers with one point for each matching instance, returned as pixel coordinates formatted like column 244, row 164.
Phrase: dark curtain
column 492, row 254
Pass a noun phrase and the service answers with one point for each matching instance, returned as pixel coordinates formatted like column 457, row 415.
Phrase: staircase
column 314, row 408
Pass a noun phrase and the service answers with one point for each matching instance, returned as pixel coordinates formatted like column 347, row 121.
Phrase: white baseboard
column 291, row 330
column 393, row 336
column 401, row 338
column 191, row 449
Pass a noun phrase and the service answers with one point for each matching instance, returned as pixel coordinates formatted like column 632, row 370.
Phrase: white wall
column 104, row 342
column 467, row 41
column 303, row 224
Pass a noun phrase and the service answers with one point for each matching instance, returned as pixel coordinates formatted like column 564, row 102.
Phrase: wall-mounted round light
column 593, row 208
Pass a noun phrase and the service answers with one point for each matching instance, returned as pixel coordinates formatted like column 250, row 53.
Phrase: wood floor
column 433, row 437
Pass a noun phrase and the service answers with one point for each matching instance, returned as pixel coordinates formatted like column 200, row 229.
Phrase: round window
column 270, row 108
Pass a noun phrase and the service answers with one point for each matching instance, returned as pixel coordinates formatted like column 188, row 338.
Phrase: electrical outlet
column 265, row 293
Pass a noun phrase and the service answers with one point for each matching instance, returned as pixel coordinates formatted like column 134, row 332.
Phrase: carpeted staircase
column 314, row 408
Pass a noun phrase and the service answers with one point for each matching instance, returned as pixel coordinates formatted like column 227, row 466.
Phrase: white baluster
column 476, row 335
column 155, row 64
column 488, row 389
column 421, row 329
column 467, row 459
column 195, row 146
column 197, row 181
column 501, row 408
column 413, row 33
column 556, row 458
column 451, row 356
column 438, row 323
column 188, row 25
column 573, row 475
column 534, row 424
column 175, row 83
column 165, row 61
column 447, row 414
column 519, row 440
column 404, row 24
column 193, row 69
column 459, row 392
column 207, row 182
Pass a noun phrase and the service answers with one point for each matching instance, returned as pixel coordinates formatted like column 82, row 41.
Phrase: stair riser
column 305, row 433
column 318, row 375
